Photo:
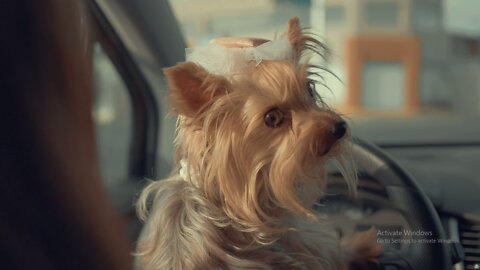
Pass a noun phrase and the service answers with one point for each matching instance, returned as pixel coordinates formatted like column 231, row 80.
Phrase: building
column 392, row 53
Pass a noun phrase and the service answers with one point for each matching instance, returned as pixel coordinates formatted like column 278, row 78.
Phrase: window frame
column 145, row 109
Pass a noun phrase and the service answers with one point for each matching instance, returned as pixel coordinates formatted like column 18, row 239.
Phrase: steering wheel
column 408, row 199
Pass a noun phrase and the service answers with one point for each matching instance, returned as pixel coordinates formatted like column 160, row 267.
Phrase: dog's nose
column 339, row 129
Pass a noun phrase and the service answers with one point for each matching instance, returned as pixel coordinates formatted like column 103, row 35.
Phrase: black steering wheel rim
column 408, row 198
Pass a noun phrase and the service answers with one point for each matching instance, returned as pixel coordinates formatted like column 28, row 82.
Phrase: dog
column 252, row 141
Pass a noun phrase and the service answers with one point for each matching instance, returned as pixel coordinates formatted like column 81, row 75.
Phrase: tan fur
column 248, row 201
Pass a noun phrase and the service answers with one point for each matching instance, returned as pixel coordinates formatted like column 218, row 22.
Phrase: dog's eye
column 274, row 118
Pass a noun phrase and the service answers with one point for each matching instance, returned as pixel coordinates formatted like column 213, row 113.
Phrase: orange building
column 378, row 42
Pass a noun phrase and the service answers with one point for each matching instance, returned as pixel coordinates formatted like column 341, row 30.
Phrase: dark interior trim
column 145, row 118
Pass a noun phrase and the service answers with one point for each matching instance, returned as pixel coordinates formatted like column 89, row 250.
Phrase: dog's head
column 257, row 140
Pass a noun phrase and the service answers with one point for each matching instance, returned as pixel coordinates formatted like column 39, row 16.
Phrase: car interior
column 86, row 125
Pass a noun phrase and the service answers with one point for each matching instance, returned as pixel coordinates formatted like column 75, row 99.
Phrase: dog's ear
column 295, row 36
column 192, row 87
column 302, row 41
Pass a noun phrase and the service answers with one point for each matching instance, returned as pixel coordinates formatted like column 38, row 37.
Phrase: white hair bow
column 226, row 61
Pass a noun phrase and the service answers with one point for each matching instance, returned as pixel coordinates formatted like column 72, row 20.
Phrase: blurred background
column 409, row 55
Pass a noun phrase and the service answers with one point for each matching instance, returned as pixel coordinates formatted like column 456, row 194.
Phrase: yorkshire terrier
column 252, row 140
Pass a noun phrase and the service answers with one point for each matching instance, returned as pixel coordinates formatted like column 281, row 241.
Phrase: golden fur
column 247, row 203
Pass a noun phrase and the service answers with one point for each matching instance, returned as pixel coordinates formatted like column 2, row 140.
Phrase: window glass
column 381, row 14
column 167, row 122
column 443, row 50
column 206, row 19
column 427, row 18
column 112, row 115
column 383, row 84
column 334, row 15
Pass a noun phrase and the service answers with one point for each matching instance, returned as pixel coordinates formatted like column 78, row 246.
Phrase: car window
column 112, row 114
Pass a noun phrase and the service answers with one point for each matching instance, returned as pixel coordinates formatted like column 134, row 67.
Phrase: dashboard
column 449, row 177
column 369, row 208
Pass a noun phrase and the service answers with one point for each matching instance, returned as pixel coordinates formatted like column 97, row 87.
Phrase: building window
column 334, row 15
column 378, row 14
column 383, row 86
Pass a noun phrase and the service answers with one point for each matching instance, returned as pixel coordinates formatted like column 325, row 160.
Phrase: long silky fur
column 248, row 203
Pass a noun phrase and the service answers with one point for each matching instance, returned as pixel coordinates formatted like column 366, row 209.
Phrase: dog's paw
column 362, row 248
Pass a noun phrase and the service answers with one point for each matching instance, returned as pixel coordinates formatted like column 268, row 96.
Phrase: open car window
column 112, row 114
